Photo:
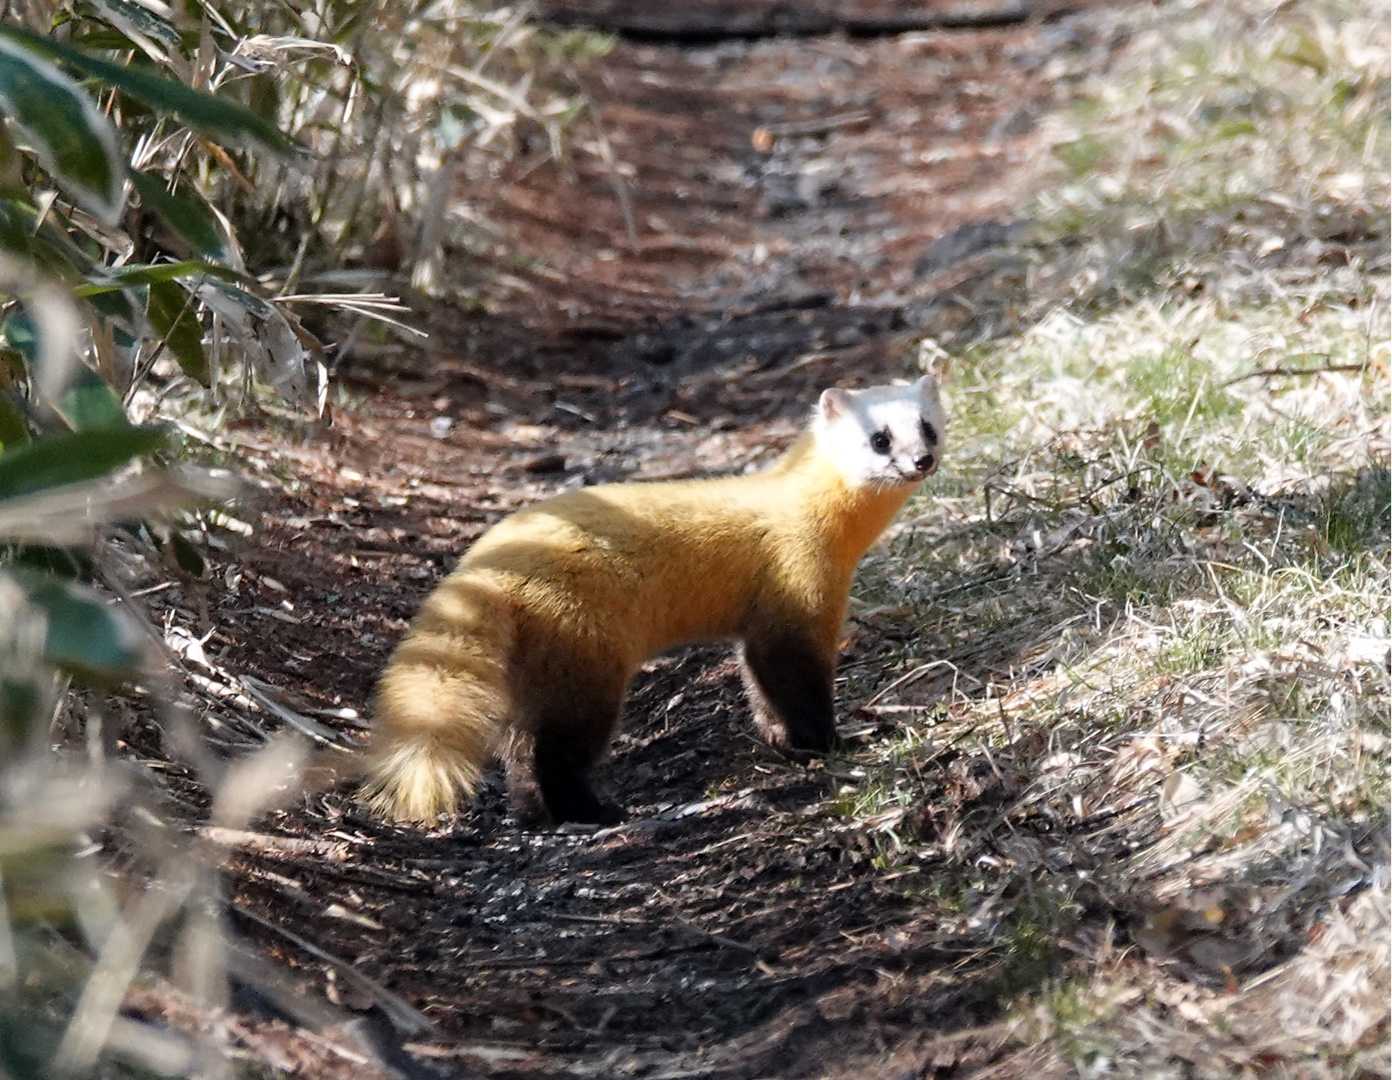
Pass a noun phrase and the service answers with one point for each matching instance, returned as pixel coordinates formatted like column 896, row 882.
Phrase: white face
column 883, row 436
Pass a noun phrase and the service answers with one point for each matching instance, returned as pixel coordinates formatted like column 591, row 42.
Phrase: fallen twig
column 1287, row 372
column 270, row 844
column 401, row 1013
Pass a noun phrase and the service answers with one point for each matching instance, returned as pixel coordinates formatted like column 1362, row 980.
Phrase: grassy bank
column 1145, row 759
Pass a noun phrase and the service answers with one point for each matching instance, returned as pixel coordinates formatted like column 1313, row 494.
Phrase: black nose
column 925, row 463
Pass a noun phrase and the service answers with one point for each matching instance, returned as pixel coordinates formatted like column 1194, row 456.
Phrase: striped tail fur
column 442, row 705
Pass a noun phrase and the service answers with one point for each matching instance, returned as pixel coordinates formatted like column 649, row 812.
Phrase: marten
column 527, row 648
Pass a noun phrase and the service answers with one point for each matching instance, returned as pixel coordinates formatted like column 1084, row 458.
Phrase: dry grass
column 1144, row 749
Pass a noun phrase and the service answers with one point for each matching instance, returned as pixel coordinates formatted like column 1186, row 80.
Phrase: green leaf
column 141, row 25
column 1304, row 50
column 151, row 273
column 90, row 404
column 188, row 217
column 23, row 232
column 1234, row 129
column 20, row 711
column 29, row 1039
column 84, row 634
column 215, row 117
column 46, row 343
column 122, row 308
column 1081, row 156
column 70, row 136
column 13, row 429
column 22, row 335
column 67, row 459
column 11, row 166
column 175, row 319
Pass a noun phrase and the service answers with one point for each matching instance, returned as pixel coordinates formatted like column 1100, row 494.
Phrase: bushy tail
column 442, row 704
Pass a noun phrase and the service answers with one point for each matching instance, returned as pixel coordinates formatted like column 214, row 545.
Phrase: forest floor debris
column 1115, row 691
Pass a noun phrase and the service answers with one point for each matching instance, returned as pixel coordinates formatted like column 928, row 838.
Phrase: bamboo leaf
column 142, row 26
column 44, row 332
column 153, row 273
column 89, row 403
column 23, row 232
column 70, row 137
column 172, row 313
column 67, row 459
column 13, row 428
column 187, row 216
column 218, row 118
column 82, row 633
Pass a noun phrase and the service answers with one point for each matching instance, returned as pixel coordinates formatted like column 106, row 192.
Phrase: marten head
column 883, row 436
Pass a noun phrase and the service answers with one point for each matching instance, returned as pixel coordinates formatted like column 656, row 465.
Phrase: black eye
column 879, row 442
column 929, row 435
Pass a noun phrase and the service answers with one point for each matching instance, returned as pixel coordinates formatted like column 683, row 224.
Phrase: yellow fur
column 582, row 588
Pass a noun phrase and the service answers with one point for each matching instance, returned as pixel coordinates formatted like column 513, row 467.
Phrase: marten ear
column 833, row 403
column 927, row 388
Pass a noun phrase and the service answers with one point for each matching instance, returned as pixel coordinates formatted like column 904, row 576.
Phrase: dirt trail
column 782, row 213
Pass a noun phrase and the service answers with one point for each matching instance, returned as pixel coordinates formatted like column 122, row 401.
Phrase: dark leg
column 563, row 763
column 788, row 681
column 568, row 704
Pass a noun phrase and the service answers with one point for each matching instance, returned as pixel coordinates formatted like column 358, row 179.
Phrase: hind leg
column 563, row 762
column 548, row 779
column 571, row 714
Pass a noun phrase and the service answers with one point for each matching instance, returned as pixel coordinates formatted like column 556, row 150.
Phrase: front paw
column 814, row 742
column 606, row 813
column 587, row 810
column 802, row 740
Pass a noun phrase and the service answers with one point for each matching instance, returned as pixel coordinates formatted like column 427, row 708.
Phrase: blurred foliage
column 176, row 180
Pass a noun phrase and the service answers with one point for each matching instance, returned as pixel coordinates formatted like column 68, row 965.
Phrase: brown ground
column 788, row 213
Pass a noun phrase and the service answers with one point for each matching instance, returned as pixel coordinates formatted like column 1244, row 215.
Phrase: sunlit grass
column 1156, row 572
